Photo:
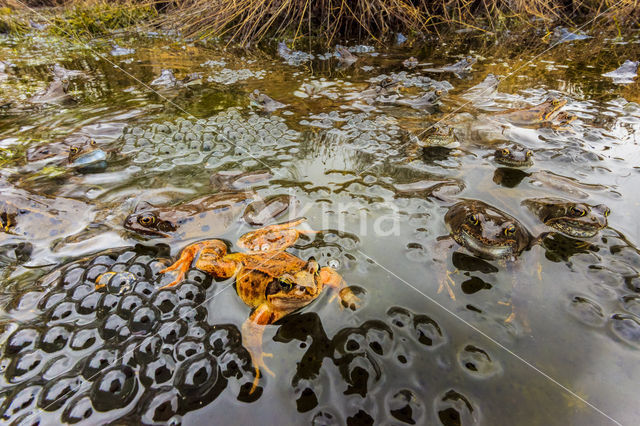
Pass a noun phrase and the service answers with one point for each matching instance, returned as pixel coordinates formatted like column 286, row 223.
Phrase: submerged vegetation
column 250, row 21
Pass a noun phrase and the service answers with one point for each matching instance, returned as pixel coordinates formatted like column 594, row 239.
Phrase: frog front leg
column 329, row 277
column 211, row 257
column 252, row 331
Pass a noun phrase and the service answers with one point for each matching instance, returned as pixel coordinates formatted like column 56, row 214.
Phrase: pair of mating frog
column 268, row 279
column 492, row 234
column 546, row 114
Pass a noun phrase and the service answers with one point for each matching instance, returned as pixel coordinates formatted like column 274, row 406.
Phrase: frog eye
column 92, row 143
column 529, row 153
column 474, row 219
column 510, row 230
column 556, row 102
column 505, row 151
column 607, row 212
column 438, row 92
column 147, row 220
column 577, row 212
column 285, row 284
column 74, row 149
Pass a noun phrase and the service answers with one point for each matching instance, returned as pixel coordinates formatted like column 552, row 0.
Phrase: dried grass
column 250, row 21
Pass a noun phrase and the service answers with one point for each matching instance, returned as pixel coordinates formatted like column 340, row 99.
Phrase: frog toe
column 348, row 299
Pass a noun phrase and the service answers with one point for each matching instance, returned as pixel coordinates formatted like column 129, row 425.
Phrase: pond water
column 547, row 335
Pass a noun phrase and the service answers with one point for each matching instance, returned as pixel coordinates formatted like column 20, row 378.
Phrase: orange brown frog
column 537, row 115
column 272, row 282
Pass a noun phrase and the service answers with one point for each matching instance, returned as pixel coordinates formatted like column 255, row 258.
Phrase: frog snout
column 129, row 221
column 600, row 220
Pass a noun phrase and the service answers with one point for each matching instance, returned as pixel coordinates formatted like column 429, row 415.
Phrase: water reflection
column 345, row 150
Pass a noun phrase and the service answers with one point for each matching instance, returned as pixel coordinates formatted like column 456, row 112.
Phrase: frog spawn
column 100, row 354
column 367, row 356
column 212, row 142
column 380, row 135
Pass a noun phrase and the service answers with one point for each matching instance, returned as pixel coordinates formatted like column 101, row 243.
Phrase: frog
column 212, row 214
column 579, row 220
column 410, row 62
column 168, row 80
column 264, row 102
column 238, row 180
column 561, row 122
column 85, row 152
column 485, row 232
column 273, row 237
column 380, row 89
column 273, row 283
column 535, row 116
column 78, row 151
column 515, row 156
column 57, row 93
column 38, row 220
column 345, row 57
column 264, row 210
column 428, row 101
column 459, row 69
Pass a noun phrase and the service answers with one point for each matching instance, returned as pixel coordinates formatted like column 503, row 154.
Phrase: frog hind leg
column 286, row 225
column 441, row 251
column 252, row 331
column 209, row 256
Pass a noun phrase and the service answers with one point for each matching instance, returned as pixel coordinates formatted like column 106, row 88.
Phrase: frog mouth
column 575, row 228
column 484, row 250
column 285, row 303
column 512, row 162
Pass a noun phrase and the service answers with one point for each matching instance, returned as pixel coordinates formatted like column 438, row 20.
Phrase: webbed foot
column 181, row 265
column 445, row 283
column 259, row 364
column 348, row 299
